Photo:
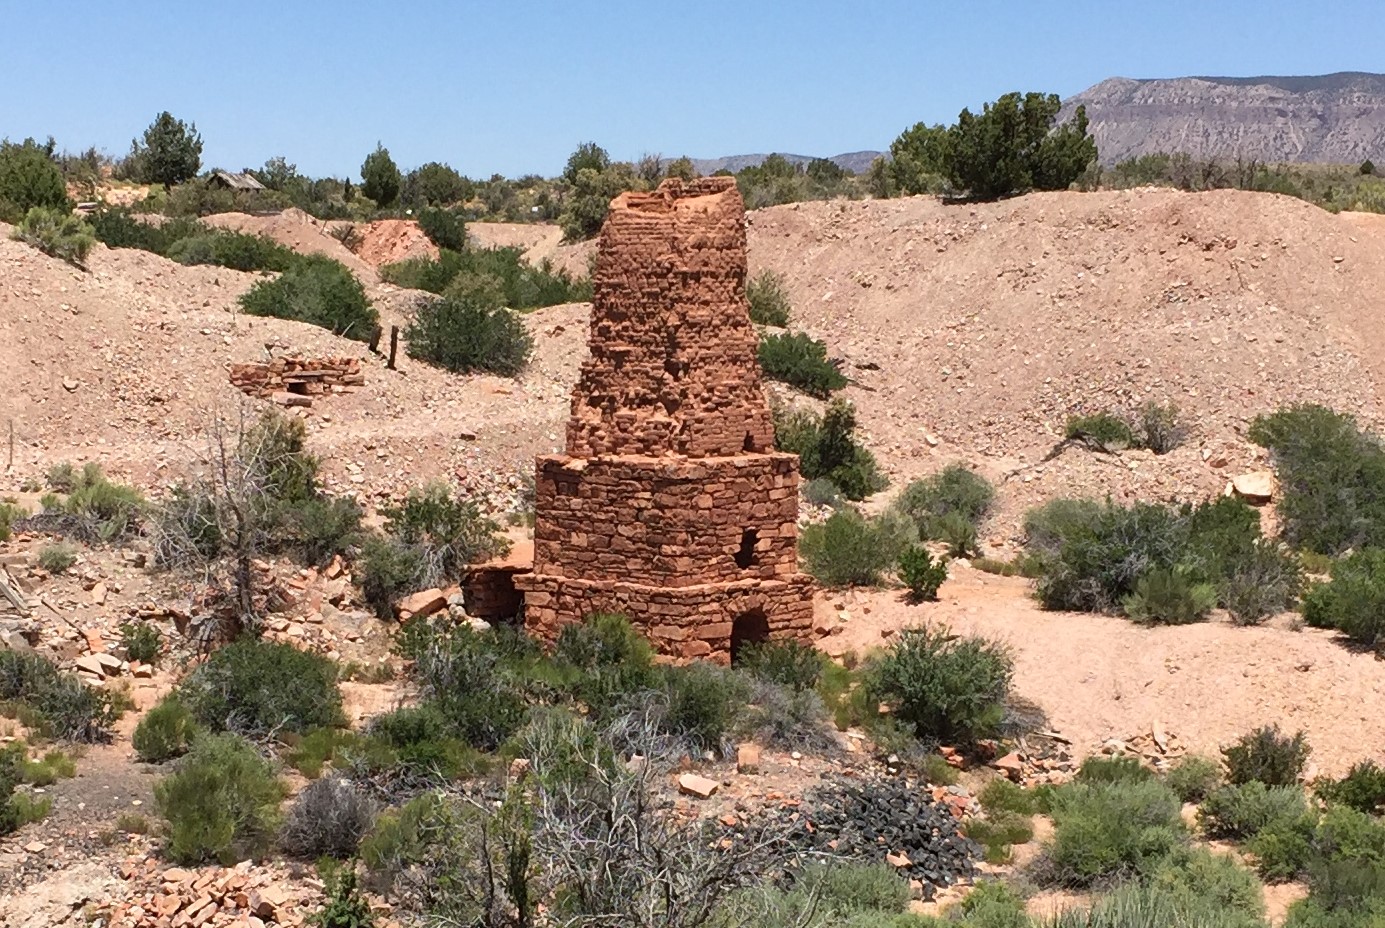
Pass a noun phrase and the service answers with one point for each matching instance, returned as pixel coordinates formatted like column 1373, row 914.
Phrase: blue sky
column 512, row 87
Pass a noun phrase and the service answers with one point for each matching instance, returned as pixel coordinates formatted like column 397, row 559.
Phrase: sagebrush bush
column 822, row 492
column 236, row 250
column 1107, row 831
column 789, row 663
column 849, row 887
column 921, row 574
column 827, row 448
column 56, row 232
column 1200, row 875
column 1241, row 811
column 1353, row 601
column 389, row 569
column 1331, row 478
column 516, row 283
column 166, row 731
column 1141, row 905
column 222, row 804
column 463, row 336
column 1267, row 756
column 1098, row 562
column 1162, row 430
column 799, row 360
column 946, row 687
column 1117, row 769
column 786, row 719
column 1362, row 788
column 466, row 675
column 319, row 291
column 1169, row 596
column 327, row 819
column 955, row 489
column 229, row 691
column 99, row 509
column 57, row 558
column 1194, row 777
column 851, row 550
column 768, row 298
column 1101, row 431
column 608, row 659
column 10, row 513
column 702, row 703
column 1004, row 796
column 1263, row 581
column 66, row 708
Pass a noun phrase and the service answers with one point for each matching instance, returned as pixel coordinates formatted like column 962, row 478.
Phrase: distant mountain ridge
column 1331, row 118
column 854, row 161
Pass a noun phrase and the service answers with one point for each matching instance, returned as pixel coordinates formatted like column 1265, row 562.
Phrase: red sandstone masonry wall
column 668, row 522
column 672, row 365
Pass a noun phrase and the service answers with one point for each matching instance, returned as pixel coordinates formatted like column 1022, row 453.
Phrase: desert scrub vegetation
column 190, row 242
column 500, row 274
column 827, row 448
column 327, row 819
column 1267, row 756
column 222, row 802
column 921, row 574
column 768, row 298
column 1158, row 564
column 799, row 360
column 945, row 687
column 948, row 506
column 1331, row 478
column 95, row 509
column 849, row 549
column 54, row 702
column 30, row 179
column 56, row 232
column 1158, row 429
column 319, row 291
column 1107, row 831
column 166, row 731
column 57, row 558
column 464, row 335
column 1362, row 788
column 227, row 691
column 142, row 642
column 18, row 808
column 1353, row 601
column 444, row 227
column 428, row 538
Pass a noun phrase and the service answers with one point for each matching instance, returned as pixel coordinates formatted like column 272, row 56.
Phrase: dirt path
column 1102, row 677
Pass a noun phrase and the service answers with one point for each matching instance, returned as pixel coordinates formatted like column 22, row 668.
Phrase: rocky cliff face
column 1336, row 118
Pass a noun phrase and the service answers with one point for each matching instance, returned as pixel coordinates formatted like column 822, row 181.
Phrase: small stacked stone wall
column 295, row 381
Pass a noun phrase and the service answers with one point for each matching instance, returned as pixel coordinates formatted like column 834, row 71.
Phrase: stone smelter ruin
column 671, row 505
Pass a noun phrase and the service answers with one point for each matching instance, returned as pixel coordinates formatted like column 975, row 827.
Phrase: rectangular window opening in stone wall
column 745, row 557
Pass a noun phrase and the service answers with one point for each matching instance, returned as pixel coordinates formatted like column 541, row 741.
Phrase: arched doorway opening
column 748, row 628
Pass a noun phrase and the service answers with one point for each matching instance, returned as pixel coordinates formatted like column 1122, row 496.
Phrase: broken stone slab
column 424, row 603
column 690, row 784
column 89, row 664
column 748, row 758
column 1256, row 488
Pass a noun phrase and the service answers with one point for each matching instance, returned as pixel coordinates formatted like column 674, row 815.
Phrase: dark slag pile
column 880, row 819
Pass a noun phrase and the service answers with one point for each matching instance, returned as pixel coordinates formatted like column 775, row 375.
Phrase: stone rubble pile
column 294, row 381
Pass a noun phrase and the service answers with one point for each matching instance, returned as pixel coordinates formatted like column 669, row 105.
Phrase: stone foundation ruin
column 670, row 505
column 294, row 381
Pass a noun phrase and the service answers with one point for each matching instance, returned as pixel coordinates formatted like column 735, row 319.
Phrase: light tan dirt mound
column 303, row 233
column 1102, row 677
column 975, row 330
column 388, row 241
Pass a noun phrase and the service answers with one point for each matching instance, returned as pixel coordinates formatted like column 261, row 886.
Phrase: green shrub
column 57, row 558
column 1048, row 527
column 609, row 660
column 1098, row 562
column 701, row 703
column 228, row 692
column 786, row 719
column 236, row 250
column 1353, row 602
column 1169, row 596
column 789, row 663
column 800, row 361
column 318, row 528
column 463, row 336
column 768, row 298
column 9, row 514
column 1283, row 849
column 921, row 574
column 492, row 277
column 142, row 642
column 56, row 232
column 1267, row 756
column 1107, row 831
column 166, row 731
column 1141, row 905
column 345, row 907
column 389, row 569
column 466, row 675
column 945, row 687
column 956, row 488
column 319, row 291
column 847, row 888
column 1101, row 432
column 314, row 749
column 851, row 550
column 1263, row 581
column 1162, row 431
column 822, row 492
column 1242, row 811
column 1331, row 478
column 1196, row 874
column 827, row 448
column 103, row 511
column 1117, row 769
column 327, row 819
column 1193, row 778
column 222, row 804
column 444, row 227
column 1362, row 789
column 957, row 532
column 63, row 706
column 1004, row 796
column 999, row 832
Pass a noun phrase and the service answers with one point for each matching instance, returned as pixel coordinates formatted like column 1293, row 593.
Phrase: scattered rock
column 690, row 784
